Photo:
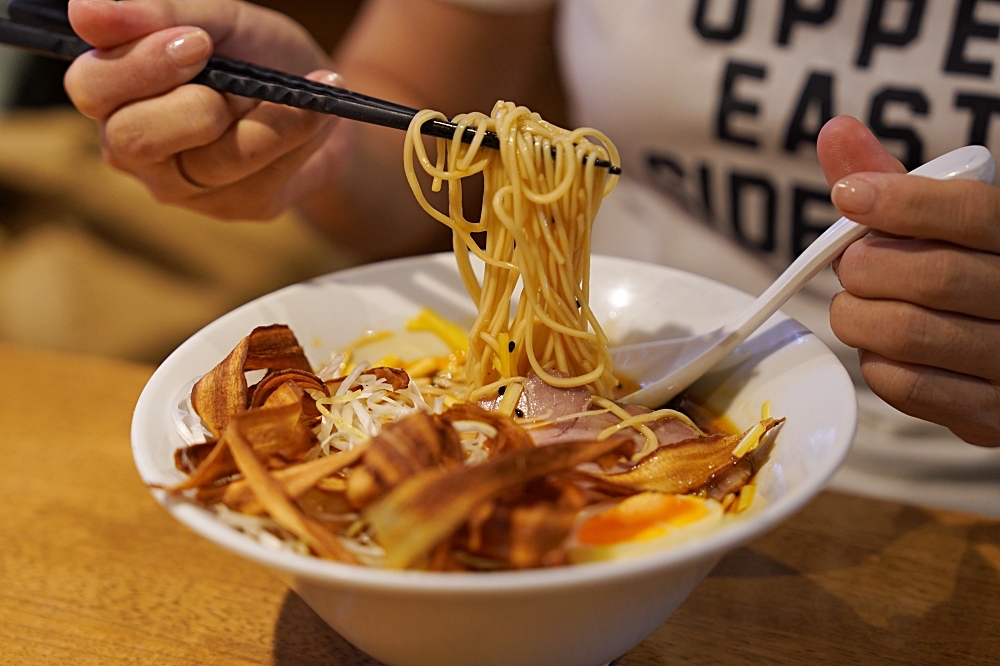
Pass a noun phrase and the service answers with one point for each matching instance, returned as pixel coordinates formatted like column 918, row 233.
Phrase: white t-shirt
column 715, row 106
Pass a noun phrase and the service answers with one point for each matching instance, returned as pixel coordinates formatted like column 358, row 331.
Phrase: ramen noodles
column 541, row 192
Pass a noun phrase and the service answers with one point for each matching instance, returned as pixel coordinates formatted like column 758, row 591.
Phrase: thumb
column 106, row 24
column 846, row 146
column 238, row 29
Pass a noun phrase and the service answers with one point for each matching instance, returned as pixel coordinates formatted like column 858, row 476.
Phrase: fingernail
column 327, row 78
column 836, row 267
column 854, row 195
column 190, row 49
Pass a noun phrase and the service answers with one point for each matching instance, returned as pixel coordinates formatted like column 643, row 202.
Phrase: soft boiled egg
column 640, row 524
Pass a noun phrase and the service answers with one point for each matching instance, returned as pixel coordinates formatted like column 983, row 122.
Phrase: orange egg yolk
column 629, row 519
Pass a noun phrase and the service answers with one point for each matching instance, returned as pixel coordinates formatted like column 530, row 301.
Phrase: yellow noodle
column 541, row 194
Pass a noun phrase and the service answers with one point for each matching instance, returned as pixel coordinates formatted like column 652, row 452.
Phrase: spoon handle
column 968, row 163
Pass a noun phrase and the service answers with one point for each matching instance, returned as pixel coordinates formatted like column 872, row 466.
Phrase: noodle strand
column 541, row 193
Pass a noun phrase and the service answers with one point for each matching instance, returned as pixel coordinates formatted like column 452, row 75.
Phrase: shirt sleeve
column 504, row 6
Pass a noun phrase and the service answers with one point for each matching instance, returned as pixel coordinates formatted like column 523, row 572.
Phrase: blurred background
column 90, row 263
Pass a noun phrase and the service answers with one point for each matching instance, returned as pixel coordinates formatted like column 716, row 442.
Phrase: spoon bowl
column 664, row 368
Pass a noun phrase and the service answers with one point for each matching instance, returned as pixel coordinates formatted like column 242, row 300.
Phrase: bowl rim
column 715, row 544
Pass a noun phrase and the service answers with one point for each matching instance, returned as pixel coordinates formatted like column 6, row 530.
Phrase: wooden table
column 93, row 571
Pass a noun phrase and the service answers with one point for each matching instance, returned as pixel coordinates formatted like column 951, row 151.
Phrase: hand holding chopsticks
column 230, row 157
column 43, row 29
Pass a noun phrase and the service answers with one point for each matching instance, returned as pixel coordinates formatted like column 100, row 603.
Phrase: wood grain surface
column 93, row 571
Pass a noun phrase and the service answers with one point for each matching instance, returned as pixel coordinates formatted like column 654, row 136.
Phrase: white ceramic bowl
column 583, row 615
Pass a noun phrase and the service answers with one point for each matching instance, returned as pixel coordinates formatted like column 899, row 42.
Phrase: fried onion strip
column 397, row 378
column 222, row 393
column 427, row 508
column 275, row 348
column 404, row 449
column 510, row 436
column 295, row 481
column 278, row 505
column 276, row 439
column 274, row 380
column 685, row 466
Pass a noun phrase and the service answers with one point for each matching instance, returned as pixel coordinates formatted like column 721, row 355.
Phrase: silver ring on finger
column 182, row 174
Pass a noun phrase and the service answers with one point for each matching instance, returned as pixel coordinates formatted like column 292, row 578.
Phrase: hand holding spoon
column 664, row 368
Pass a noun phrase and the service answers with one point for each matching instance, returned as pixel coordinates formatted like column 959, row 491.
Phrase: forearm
column 369, row 207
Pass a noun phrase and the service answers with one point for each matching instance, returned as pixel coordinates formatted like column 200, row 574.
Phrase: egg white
column 661, row 535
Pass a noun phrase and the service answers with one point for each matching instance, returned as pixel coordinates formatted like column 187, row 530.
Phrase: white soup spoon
column 664, row 368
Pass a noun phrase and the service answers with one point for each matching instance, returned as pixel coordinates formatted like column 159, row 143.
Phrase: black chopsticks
column 41, row 40
column 46, row 31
